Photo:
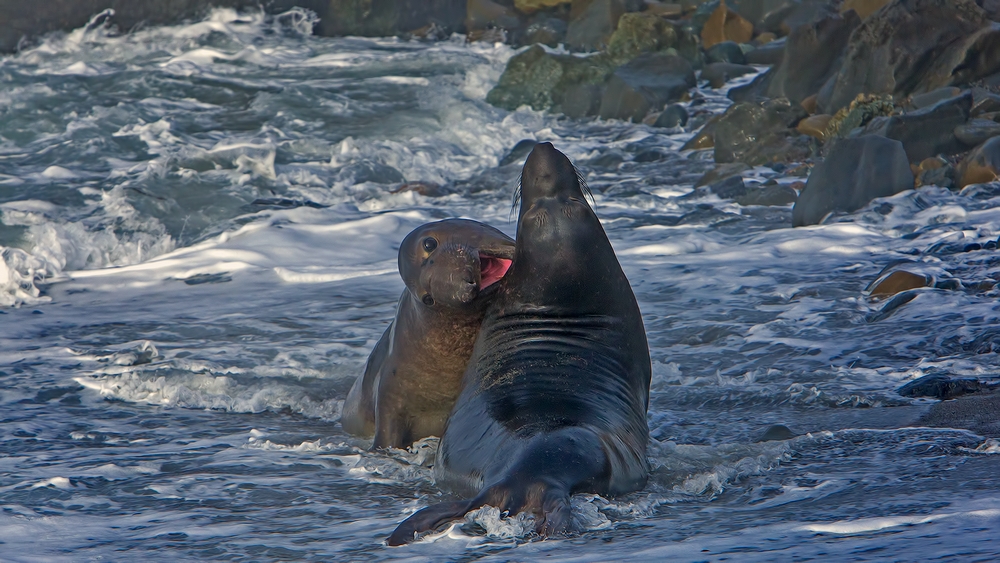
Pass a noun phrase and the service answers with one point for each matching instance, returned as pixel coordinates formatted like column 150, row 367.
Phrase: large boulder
column 591, row 23
column 912, row 46
column 813, row 54
column 769, row 54
column 982, row 165
column 545, row 81
column 855, row 172
column 929, row 131
column 378, row 18
column 646, row 84
column 747, row 127
column 724, row 24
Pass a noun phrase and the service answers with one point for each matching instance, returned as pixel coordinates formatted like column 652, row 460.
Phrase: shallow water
column 199, row 246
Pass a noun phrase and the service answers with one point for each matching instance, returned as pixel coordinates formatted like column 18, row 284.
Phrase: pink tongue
column 491, row 270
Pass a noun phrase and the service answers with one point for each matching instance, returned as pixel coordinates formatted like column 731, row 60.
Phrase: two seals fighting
column 554, row 398
column 450, row 269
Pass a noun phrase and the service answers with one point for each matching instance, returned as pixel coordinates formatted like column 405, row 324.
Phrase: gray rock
column 984, row 101
column 778, row 432
column 644, row 84
column 928, row 99
column 912, row 46
column 854, row 172
column 812, row 56
column 977, row 131
column 773, row 195
column 717, row 74
column 784, row 19
column 547, row 31
column 940, row 387
column 581, row 100
column 484, row 14
column 747, row 125
column 725, row 52
column 721, row 172
column 592, row 22
column 756, row 89
column 674, row 116
column 731, row 187
column 926, row 132
column 770, row 54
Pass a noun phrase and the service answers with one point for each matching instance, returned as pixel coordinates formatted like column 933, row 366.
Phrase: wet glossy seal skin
column 451, row 269
column 554, row 400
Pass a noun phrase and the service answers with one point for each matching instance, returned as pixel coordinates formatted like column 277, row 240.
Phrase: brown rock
column 932, row 163
column 982, row 165
column 765, row 38
column 897, row 282
column 864, row 8
column 815, row 126
column 809, row 104
column 703, row 140
column 725, row 25
column 532, row 6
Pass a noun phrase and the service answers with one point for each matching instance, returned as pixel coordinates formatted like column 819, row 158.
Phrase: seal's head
column 453, row 262
column 549, row 174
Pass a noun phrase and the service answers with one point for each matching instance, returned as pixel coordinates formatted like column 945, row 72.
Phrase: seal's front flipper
column 428, row 519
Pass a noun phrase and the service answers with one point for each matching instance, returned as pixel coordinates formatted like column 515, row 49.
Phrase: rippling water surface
column 198, row 233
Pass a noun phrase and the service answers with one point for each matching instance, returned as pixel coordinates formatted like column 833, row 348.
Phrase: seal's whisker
column 583, row 185
column 517, row 199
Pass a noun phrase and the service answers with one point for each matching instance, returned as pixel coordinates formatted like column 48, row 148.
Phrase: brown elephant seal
column 554, row 399
column 451, row 269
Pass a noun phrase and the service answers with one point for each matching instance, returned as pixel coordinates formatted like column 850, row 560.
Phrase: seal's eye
column 430, row 244
column 427, row 299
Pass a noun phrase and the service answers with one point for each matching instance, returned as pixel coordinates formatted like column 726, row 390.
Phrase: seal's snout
column 547, row 172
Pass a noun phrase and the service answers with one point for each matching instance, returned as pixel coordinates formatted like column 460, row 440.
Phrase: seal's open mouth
column 491, row 269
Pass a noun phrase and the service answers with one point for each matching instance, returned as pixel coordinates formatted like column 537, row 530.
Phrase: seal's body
column 555, row 396
column 451, row 269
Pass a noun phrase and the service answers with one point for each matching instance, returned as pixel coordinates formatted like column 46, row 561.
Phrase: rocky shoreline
column 852, row 100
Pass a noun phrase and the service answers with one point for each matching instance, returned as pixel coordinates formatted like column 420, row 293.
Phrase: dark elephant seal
column 451, row 269
column 554, row 400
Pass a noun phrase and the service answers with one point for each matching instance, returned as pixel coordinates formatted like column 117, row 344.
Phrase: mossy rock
column 862, row 110
column 640, row 33
column 541, row 80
